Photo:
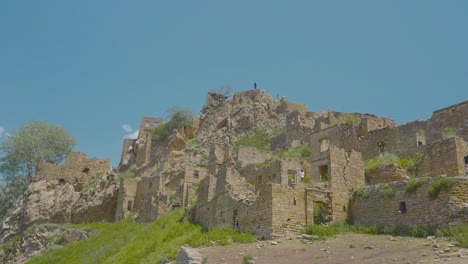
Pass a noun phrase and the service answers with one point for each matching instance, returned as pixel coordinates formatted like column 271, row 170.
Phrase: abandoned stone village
column 314, row 168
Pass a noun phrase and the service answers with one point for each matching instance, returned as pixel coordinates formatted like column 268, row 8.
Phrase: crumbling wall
column 444, row 158
column 449, row 208
column 247, row 155
column 224, row 210
column 454, row 117
column 401, row 140
column 288, row 107
column 388, row 173
column 126, row 198
column 288, row 213
column 346, row 174
column 76, row 168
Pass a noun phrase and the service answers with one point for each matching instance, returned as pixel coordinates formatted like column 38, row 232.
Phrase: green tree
column 21, row 152
column 179, row 117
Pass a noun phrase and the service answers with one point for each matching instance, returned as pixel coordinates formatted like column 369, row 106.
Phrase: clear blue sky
column 92, row 66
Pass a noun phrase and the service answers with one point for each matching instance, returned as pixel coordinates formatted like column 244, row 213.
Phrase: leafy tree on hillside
column 179, row 117
column 21, row 152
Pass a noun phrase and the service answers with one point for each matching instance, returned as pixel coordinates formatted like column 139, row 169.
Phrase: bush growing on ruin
column 125, row 175
column 448, row 133
column 178, row 117
column 409, row 163
column 440, row 185
column 296, row 153
column 413, row 184
column 386, row 190
column 347, row 118
column 361, row 192
column 259, row 139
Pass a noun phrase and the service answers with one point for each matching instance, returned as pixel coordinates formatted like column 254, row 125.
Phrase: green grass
column 127, row 241
column 458, row 233
column 409, row 163
column 259, row 139
column 439, row 185
column 296, row 153
column 125, row 175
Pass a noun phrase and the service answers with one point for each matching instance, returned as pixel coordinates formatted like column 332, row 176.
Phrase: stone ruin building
column 257, row 190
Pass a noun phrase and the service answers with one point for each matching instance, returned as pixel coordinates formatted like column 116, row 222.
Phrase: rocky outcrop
column 37, row 239
column 80, row 190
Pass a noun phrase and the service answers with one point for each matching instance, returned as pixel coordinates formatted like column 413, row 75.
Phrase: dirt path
column 348, row 248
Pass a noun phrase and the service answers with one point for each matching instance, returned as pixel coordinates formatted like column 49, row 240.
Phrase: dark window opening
column 344, row 208
column 129, row 205
column 292, row 176
column 235, row 219
column 156, row 124
column 196, row 174
column 147, row 123
column 151, row 184
column 294, row 201
column 85, row 170
column 420, row 144
column 61, row 181
column 402, row 208
column 382, row 147
column 324, row 173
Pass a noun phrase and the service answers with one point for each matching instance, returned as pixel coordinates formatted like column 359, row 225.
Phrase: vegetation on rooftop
column 409, row 163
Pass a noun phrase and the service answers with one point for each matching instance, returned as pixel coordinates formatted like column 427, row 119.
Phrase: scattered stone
column 368, row 247
column 273, row 243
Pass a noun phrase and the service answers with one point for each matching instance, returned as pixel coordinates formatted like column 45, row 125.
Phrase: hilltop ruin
column 204, row 168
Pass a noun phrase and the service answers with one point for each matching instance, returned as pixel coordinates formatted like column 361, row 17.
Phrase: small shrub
column 261, row 164
column 125, row 175
column 193, row 145
column 459, row 233
column 375, row 163
column 414, row 184
column 246, row 259
column 440, row 185
column 361, row 192
column 347, row 118
column 448, row 133
column 386, row 190
column 319, row 217
column 259, row 139
column 296, row 153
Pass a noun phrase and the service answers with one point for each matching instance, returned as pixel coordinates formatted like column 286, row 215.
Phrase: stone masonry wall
column 444, row 158
column 248, row 155
column 224, row 210
column 76, row 168
column 450, row 207
column 453, row 117
column 288, row 210
column 127, row 193
column 346, row 174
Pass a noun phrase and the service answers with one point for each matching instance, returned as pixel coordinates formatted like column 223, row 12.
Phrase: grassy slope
column 127, row 241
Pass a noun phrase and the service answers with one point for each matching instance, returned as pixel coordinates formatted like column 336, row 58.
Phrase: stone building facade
column 255, row 190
